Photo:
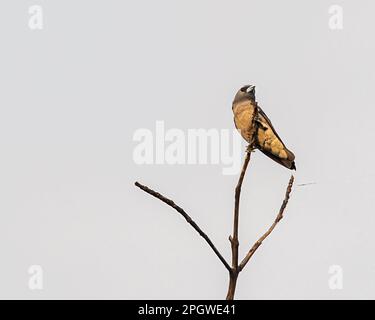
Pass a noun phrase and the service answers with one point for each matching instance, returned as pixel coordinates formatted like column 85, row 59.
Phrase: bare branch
column 268, row 232
column 233, row 275
column 236, row 268
column 187, row 218
column 234, row 238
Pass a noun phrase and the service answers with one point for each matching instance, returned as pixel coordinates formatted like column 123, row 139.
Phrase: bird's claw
column 250, row 148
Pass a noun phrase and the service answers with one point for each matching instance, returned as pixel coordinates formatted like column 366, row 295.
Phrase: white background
column 73, row 94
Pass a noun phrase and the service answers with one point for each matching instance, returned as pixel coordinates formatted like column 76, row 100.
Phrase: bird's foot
column 250, row 148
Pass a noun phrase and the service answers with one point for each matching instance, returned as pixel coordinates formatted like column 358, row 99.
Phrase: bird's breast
column 243, row 114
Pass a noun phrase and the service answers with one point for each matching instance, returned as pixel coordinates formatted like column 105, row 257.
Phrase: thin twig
column 188, row 219
column 234, row 239
column 233, row 275
column 268, row 232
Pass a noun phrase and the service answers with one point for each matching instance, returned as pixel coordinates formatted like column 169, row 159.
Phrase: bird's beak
column 250, row 88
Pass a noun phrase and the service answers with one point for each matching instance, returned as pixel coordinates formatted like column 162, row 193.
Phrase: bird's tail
column 287, row 163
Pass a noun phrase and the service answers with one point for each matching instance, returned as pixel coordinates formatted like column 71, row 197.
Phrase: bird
column 265, row 137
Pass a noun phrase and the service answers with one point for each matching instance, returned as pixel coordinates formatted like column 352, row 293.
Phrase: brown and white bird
column 266, row 138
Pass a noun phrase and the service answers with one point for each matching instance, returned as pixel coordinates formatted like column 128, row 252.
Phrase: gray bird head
column 245, row 93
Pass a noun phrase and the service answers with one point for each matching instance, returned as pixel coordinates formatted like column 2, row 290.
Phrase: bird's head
column 246, row 92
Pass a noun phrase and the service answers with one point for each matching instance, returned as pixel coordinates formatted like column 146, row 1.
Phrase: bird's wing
column 268, row 121
column 270, row 143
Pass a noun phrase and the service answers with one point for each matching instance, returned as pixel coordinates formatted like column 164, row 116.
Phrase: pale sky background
column 74, row 93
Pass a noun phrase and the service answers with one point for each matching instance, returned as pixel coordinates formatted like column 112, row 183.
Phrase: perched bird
column 266, row 138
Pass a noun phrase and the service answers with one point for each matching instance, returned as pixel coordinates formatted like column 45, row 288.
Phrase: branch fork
column 235, row 267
